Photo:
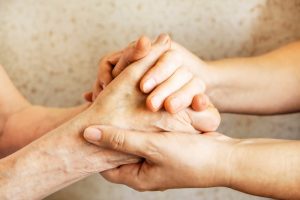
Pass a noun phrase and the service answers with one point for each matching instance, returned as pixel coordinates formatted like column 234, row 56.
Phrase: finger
column 184, row 96
column 140, row 50
column 104, row 75
column 132, row 53
column 131, row 175
column 205, row 121
column 131, row 142
column 125, row 174
column 200, row 102
column 114, row 58
column 88, row 96
column 137, row 69
column 161, row 71
column 97, row 88
column 156, row 99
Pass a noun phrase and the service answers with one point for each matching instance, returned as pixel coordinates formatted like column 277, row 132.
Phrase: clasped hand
column 154, row 87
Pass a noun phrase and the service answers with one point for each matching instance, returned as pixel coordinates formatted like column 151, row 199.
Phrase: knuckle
column 131, row 73
column 103, row 59
column 117, row 140
column 184, row 73
column 199, row 83
column 152, row 149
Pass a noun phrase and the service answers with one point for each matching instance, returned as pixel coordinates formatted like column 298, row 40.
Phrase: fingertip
column 143, row 43
column 174, row 104
column 151, row 104
column 140, row 50
column 169, row 108
column 88, row 96
column 200, row 102
column 147, row 85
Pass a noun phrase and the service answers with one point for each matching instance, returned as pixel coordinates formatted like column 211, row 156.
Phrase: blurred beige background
column 51, row 49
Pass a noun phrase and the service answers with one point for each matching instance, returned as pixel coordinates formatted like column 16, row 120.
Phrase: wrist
column 214, row 159
column 234, row 163
column 212, row 76
column 226, row 156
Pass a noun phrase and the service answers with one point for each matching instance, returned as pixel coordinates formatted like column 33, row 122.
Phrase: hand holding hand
column 182, row 86
column 171, row 160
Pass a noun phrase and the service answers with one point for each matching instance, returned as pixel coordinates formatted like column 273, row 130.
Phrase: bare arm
column 266, row 167
column 266, row 84
column 54, row 161
column 22, row 122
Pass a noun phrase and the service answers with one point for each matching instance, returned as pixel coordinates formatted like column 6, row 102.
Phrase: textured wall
column 51, row 49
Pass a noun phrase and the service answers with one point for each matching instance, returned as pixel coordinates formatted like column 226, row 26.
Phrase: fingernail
column 175, row 103
column 149, row 85
column 92, row 134
column 155, row 102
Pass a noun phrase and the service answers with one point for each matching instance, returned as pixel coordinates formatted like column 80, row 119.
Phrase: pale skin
column 62, row 157
column 264, row 167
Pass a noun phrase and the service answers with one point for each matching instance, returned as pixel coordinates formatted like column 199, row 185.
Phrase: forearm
column 31, row 123
column 265, row 84
column 265, row 167
column 57, row 159
column 34, row 174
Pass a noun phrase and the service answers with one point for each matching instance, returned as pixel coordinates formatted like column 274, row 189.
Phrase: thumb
column 131, row 142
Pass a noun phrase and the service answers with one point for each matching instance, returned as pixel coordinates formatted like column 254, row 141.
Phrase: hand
column 207, row 120
column 171, row 160
column 124, row 103
column 176, row 82
column 121, row 104
column 193, row 89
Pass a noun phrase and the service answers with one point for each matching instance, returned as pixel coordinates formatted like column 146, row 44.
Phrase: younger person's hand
column 171, row 159
column 173, row 85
